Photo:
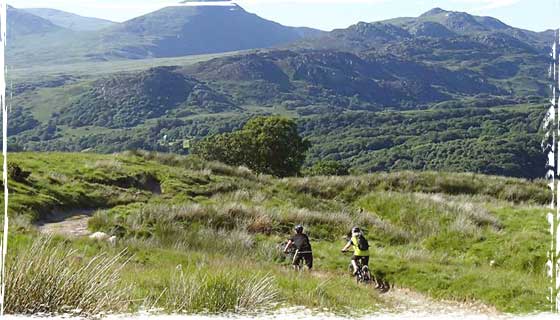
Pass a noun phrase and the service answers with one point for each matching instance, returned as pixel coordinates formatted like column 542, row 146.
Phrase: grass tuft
column 48, row 278
column 216, row 291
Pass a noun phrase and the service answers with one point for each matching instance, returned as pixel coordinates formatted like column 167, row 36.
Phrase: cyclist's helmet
column 299, row 228
column 356, row 230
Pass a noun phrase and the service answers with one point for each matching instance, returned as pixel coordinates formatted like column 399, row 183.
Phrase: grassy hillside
column 453, row 236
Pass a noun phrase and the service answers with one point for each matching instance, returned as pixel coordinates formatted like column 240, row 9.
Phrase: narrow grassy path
column 73, row 224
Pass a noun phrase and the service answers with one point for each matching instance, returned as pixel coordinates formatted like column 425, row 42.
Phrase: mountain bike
column 364, row 275
column 292, row 254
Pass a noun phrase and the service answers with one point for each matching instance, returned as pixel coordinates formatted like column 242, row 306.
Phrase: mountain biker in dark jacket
column 301, row 242
column 359, row 254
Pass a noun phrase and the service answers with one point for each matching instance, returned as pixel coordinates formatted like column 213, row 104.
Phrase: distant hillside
column 33, row 40
column 466, row 24
column 444, row 91
column 178, row 31
column 332, row 94
column 22, row 23
column 126, row 100
column 339, row 80
column 508, row 57
column 70, row 20
column 437, row 35
column 169, row 32
column 437, row 24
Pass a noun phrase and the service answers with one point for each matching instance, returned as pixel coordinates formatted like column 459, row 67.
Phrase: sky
column 537, row 15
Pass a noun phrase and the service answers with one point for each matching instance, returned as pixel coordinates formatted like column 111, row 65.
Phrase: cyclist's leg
column 309, row 260
column 365, row 267
column 297, row 261
column 354, row 264
column 365, row 261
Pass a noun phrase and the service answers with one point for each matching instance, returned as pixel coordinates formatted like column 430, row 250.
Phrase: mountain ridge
column 172, row 32
column 169, row 32
column 69, row 20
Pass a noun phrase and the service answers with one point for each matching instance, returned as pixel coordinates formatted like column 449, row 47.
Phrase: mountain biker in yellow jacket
column 360, row 246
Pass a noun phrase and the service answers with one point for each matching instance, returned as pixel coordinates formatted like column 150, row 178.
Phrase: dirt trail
column 71, row 223
column 404, row 300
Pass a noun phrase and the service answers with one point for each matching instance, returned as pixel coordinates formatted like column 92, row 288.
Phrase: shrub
column 328, row 168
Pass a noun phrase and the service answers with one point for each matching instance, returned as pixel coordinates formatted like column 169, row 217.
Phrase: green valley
column 444, row 91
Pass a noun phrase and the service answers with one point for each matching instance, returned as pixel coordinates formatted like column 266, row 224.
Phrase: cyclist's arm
column 347, row 246
column 288, row 245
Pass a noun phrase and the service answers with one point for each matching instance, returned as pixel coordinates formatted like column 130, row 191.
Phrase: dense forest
column 498, row 140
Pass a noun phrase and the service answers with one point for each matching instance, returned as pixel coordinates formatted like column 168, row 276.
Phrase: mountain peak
column 199, row 29
column 433, row 12
column 460, row 22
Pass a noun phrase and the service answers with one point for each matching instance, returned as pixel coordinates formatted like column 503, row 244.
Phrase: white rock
column 112, row 240
column 99, row 236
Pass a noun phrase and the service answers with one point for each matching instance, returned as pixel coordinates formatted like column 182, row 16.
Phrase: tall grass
column 420, row 216
column 194, row 163
column 398, row 218
column 351, row 187
column 217, row 291
column 171, row 223
column 49, row 278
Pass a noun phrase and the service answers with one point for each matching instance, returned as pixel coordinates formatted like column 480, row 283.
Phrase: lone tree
column 270, row 145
